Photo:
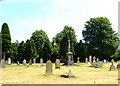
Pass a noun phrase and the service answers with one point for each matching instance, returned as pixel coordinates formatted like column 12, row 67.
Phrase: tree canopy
column 100, row 37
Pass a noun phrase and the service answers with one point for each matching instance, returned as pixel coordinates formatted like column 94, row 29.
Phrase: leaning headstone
column 34, row 60
column 57, row 64
column 78, row 60
column 18, row 63
column 90, row 59
column 49, row 67
column 24, row 62
column 118, row 65
column 2, row 63
column 86, row 60
column 112, row 67
column 30, row 62
column 9, row 61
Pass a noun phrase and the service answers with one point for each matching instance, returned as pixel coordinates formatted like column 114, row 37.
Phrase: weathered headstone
column 78, row 60
column 98, row 64
column 9, row 61
column 97, row 59
column 30, row 62
column 34, row 60
column 70, row 74
column 2, row 63
column 69, row 56
column 41, row 60
column 94, row 59
column 57, row 64
column 90, row 59
column 24, row 62
column 86, row 60
column 18, row 63
column 118, row 65
column 49, row 69
column 112, row 67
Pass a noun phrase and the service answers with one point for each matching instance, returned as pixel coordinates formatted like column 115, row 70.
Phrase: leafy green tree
column 62, row 38
column 42, row 43
column 14, row 51
column 30, row 50
column 21, row 51
column 100, row 37
column 6, row 40
column 81, row 51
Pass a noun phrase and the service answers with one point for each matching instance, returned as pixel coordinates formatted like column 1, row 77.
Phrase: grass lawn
column 35, row 74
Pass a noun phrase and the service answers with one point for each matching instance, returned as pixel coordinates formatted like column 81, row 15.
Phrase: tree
column 42, row 43
column 14, row 51
column 100, row 37
column 30, row 49
column 6, row 39
column 62, row 38
column 81, row 51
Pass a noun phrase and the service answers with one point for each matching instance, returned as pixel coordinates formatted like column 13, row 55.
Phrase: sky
column 25, row 16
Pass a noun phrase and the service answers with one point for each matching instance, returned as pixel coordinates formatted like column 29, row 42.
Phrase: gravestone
column 18, row 63
column 112, row 67
column 86, row 60
column 41, row 61
column 89, row 64
column 24, row 62
column 6, row 62
column 69, row 56
column 98, row 64
column 78, row 60
column 90, row 59
column 105, row 61
column 57, row 64
column 118, row 65
column 49, row 69
column 30, row 62
column 97, row 59
column 9, row 61
column 2, row 63
column 94, row 58
column 34, row 60
column 70, row 74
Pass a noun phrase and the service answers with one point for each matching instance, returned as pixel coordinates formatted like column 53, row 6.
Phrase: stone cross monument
column 69, row 56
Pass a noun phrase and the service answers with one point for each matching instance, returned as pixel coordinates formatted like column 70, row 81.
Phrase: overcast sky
column 25, row 16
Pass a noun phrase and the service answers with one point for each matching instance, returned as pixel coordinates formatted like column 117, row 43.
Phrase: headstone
column 2, row 63
column 98, row 64
column 9, row 61
column 90, row 59
column 112, row 67
column 18, row 63
column 118, row 65
column 70, row 74
column 69, row 56
column 94, row 59
column 34, row 60
column 105, row 61
column 57, row 64
column 78, row 60
column 97, row 59
column 41, row 60
column 89, row 64
column 30, row 62
column 86, row 60
column 49, row 67
column 24, row 62
column 6, row 62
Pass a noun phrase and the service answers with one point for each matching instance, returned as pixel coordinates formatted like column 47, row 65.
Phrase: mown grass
column 35, row 74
